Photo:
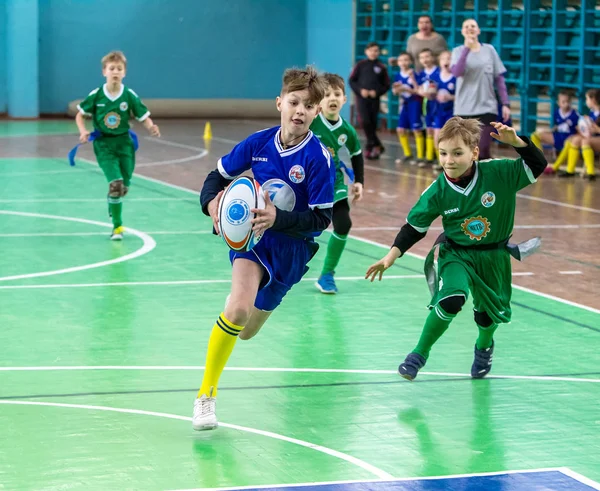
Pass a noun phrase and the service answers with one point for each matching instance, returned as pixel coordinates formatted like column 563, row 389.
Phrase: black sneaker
column 590, row 177
column 564, row 173
column 411, row 366
column 482, row 363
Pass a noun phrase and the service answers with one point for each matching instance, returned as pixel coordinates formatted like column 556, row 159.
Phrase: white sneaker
column 204, row 414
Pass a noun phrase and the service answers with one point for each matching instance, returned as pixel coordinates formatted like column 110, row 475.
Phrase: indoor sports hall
column 104, row 342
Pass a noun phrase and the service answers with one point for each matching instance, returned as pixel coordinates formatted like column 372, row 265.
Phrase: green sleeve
column 87, row 105
column 426, row 210
column 139, row 110
column 353, row 143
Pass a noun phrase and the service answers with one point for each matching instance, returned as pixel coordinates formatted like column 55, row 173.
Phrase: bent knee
column 238, row 313
column 115, row 188
column 452, row 304
column 482, row 319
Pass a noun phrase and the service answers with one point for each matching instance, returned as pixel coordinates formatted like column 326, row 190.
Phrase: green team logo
column 123, row 106
column 112, row 120
column 476, row 228
column 342, row 139
column 488, row 199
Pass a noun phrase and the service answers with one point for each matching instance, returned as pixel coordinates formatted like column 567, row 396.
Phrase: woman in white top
column 479, row 70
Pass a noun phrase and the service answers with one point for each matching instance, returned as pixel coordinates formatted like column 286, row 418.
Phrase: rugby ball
column 584, row 125
column 243, row 194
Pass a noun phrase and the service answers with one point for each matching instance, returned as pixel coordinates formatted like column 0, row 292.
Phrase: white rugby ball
column 584, row 125
column 243, row 194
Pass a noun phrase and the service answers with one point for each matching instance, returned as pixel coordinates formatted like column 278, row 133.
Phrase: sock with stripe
column 436, row 324
column 335, row 247
column 115, row 208
column 220, row 345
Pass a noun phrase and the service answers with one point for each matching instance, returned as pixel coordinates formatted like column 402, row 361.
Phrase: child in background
column 427, row 80
column 446, row 88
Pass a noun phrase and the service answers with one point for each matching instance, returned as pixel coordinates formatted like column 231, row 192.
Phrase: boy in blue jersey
column 564, row 125
column 445, row 93
column 428, row 89
column 297, row 176
column 411, row 108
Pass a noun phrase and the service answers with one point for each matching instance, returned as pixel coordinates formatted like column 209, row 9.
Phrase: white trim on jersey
column 331, row 127
column 322, row 206
column 144, row 117
column 82, row 111
column 222, row 170
column 356, row 153
column 530, row 175
column 471, row 185
column 108, row 96
column 418, row 229
column 287, row 152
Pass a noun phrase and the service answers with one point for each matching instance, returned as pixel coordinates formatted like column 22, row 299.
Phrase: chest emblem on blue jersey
column 297, row 174
column 476, row 227
column 237, row 212
column 342, row 139
column 112, row 120
column 123, row 106
column 281, row 194
column 488, row 199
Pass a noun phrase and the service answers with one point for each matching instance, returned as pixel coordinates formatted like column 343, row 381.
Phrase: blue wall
column 183, row 48
column 330, row 38
column 2, row 57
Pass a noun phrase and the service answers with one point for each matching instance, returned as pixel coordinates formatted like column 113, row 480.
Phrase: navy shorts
column 285, row 261
column 441, row 118
column 411, row 115
column 560, row 139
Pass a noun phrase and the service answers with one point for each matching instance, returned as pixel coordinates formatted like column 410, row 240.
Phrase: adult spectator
column 425, row 38
column 479, row 70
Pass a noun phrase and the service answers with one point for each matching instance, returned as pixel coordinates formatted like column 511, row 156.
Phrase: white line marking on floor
column 91, row 200
column 313, row 446
column 147, row 245
column 570, row 272
column 92, row 234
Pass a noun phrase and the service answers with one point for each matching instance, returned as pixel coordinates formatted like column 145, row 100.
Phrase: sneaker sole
column 205, row 427
column 116, row 238
column 322, row 290
column 406, row 376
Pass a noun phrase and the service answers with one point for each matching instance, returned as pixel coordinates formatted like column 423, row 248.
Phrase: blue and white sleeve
column 321, row 176
column 237, row 161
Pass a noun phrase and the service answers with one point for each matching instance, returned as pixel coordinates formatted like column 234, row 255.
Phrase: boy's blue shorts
column 431, row 110
column 411, row 116
column 560, row 139
column 441, row 118
column 285, row 261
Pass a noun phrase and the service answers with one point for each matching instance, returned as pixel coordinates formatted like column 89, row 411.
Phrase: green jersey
column 335, row 136
column 481, row 213
column 111, row 113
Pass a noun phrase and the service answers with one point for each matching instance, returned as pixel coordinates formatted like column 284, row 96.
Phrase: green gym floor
column 103, row 345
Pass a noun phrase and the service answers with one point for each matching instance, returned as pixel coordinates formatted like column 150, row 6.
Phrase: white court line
column 180, row 282
column 539, row 378
column 570, row 272
column 313, row 446
column 563, row 470
column 147, row 246
column 86, row 234
column 519, row 195
column 578, row 477
column 367, row 241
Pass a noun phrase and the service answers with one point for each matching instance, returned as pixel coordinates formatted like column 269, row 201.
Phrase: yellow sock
column 572, row 160
column 220, row 345
column 420, row 141
column 562, row 156
column 535, row 139
column 430, row 152
column 403, row 137
column 588, row 160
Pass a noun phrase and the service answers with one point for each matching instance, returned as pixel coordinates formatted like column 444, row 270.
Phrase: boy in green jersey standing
column 335, row 133
column 476, row 201
column 110, row 108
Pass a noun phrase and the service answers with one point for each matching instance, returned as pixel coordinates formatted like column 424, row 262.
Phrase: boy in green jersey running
column 335, row 133
column 476, row 201
column 110, row 108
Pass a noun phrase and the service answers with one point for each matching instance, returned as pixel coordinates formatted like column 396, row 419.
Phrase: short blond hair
column 296, row 79
column 467, row 130
column 114, row 57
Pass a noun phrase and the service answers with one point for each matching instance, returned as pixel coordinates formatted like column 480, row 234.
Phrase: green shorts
column 116, row 157
column 340, row 188
column 487, row 274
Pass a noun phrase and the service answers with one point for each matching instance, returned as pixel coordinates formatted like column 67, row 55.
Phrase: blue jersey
column 297, row 179
column 565, row 123
column 426, row 79
column 406, row 79
column 447, row 85
column 595, row 116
